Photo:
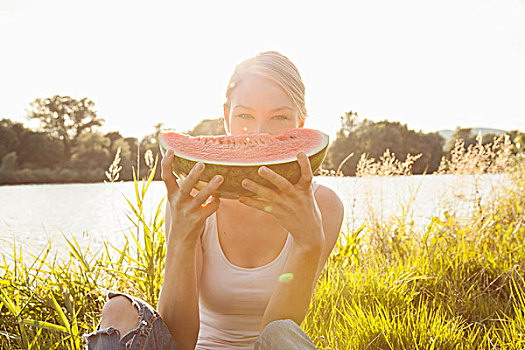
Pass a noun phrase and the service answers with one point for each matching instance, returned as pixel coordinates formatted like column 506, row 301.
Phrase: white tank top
column 232, row 299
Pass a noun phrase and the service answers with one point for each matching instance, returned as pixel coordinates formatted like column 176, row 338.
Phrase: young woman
column 221, row 286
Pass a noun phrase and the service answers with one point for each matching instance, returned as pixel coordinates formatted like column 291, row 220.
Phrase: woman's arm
column 314, row 232
column 178, row 302
column 186, row 214
column 291, row 299
column 179, row 307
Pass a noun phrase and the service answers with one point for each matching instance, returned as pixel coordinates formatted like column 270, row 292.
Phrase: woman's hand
column 294, row 206
column 186, row 213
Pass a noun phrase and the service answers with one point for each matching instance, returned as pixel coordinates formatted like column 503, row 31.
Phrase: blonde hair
column 279, row 69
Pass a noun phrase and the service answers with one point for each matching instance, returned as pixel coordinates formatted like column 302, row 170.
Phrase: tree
column 208, row 127
column 39, row 150
column 518, row 138
column 127, row 158
column 464, row 134
column 9, row 140
column 65, row 118
column 113, row 136
column 91, row 151
column 150, row 143
column 348, row 124
column 470, row 138
column 33, row 149
column 374, row 138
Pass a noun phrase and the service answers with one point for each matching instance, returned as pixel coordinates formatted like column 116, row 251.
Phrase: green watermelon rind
column 233, row 174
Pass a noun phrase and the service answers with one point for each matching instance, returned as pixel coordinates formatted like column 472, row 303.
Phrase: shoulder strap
column 316, row 185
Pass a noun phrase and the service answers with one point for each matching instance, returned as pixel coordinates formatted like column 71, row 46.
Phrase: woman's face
column 258, row 105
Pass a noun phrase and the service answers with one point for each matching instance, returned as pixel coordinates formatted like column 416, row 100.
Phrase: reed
column 456, row 284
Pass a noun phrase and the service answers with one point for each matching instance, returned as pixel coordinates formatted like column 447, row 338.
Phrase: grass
column 457, row 288
column 457, row 284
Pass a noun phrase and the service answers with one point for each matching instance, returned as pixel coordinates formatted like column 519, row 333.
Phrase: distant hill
column 447, row 134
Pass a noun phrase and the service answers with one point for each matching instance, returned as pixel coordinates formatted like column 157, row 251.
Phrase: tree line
column 69, row 147
column 357, row 137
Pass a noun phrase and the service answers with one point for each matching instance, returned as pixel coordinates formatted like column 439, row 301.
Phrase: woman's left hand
column 294, row 206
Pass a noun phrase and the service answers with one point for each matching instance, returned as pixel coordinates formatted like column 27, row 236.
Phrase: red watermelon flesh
column 246, row 149
column 239, row 157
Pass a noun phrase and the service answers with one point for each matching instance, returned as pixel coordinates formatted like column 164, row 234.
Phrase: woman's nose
column 262, row 128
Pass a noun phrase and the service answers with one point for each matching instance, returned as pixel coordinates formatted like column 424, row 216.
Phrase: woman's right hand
column 186, row 214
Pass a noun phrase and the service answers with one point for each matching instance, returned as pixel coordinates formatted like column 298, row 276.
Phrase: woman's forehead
column 259, row 92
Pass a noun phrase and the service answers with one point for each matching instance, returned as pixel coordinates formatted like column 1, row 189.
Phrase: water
column 32, row 215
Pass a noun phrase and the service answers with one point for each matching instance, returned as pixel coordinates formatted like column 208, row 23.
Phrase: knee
column 279, row 328
column 283, row 334
column 121, row 307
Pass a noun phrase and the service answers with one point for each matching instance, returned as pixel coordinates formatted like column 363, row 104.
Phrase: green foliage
column 374, row 138
column 151, row 252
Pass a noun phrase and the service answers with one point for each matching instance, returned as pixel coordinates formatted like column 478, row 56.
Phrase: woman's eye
column 280, row 117
column 244, row 116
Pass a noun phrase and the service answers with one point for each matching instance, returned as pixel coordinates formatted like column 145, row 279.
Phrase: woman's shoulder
column 332, row 213
column 326, row 197
column 322, row 190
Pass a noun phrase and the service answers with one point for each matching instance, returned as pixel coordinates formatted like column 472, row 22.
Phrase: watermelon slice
column 239, row 157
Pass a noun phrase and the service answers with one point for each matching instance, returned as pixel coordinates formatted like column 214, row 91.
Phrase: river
column 32, row 215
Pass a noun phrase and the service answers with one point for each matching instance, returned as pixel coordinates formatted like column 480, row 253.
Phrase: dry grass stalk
column 148, row 157
column 114, row 169
column 491, row 158
column 338, row 172
column 388, row 165
column 326, row 172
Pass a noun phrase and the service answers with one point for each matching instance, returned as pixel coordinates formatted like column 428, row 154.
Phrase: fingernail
column 200, row 166
column 264, row 169
column 217, row 178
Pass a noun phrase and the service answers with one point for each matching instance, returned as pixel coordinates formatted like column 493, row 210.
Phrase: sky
column 428, row 64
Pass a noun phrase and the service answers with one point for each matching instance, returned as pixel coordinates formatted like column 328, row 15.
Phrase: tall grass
column 49, row 304
column 456, row 284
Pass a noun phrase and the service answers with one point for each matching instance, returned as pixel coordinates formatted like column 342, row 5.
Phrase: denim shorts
column 151, row 332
